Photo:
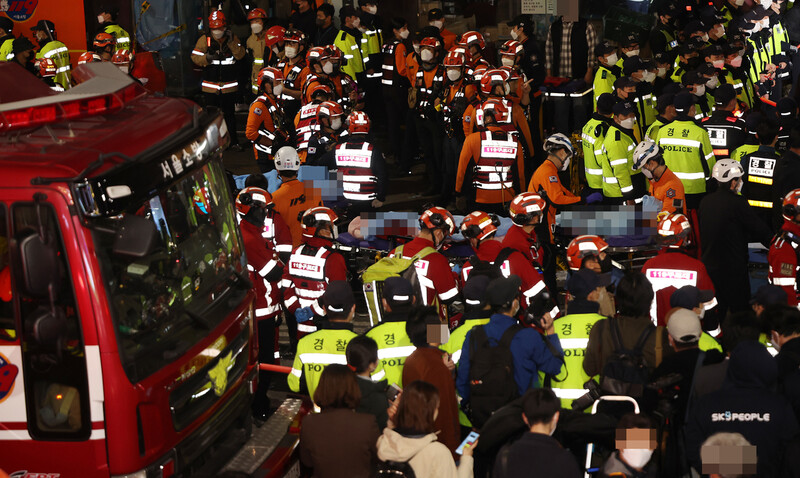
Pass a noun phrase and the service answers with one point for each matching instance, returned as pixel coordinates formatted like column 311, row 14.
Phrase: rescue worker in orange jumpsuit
column 266, row 271
column 313, row 264
column 428, row 84
column 266, row 122
column 293, row 196
column 323, row 141
column 294, row 70
column 217, row 57
column 784, row 252
column 664, row 185
column 493, row 159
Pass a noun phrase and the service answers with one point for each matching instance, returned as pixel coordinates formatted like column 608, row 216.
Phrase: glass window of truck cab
column 169, row 299
column 38, row 313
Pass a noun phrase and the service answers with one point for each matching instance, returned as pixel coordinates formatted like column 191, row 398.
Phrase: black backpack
column 490, row 269
column 625, row 372
column 394, row 469
column 491, row 373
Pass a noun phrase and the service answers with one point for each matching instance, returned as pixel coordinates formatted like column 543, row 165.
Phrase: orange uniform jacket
column 470, row 154
column 518, row 121
column 291, row 199
column 546, row 179
column 668, row 189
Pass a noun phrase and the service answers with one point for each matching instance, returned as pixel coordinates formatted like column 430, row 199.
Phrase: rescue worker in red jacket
column 479, row 229
column 361, row 166
column 784, row 252
column 313, row 264
column 526, row 212
column 329, row 127
column 217, row 57
column 674, row 268
column 276, row 230
column 436, row 279
column 492, row 162
column 266, row 122
column 305, row 121
column 266, row 270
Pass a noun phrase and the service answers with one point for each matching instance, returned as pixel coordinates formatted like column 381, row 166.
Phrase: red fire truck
column 127, row 342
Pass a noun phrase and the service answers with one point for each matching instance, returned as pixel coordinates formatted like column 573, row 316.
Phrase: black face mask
column 693, row 62
column 606, row 265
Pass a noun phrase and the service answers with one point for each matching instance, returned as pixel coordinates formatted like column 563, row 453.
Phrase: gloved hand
column 303, row 314
column 649, row 203
column 212, row 56
column 377, row 203
column 457, row 268
column 594, row 198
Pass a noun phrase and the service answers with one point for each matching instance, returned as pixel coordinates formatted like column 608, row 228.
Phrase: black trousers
column 266, row 354
column 429, row 134
column 451, row 151
column 395, row 101
column 227, row 103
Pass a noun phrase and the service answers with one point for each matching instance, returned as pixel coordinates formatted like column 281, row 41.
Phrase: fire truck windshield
column 166, row 302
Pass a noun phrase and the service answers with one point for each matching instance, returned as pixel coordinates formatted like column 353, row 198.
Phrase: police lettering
column 678, row 149
column 398, row 362
column 314, row 367
column 739, row 417
column 574, row 352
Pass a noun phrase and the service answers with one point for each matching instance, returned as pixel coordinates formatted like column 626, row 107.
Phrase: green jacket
column 604, row 80
column 123, row 39
column 58, row 52
column 592, row 137
column 5, row 49
column 617, row 163
column 352, row 53
column 688, row 153
column 743, row 151
column 394, row 347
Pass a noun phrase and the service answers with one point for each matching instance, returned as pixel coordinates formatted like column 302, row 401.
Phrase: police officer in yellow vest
column 390, row 335
column 6, row 37
column 607, row 70
column 592, row 137
column 329, row 344
column 663, row 37
column 372, row 39
column 621, row 183
column 349, row 41
column 50, row 47
column 665, row 110
column 584, row 286
column 107, row 18
column 687, row 150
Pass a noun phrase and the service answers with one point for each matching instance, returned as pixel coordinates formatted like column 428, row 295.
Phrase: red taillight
column 168, row 469
column 95, row 105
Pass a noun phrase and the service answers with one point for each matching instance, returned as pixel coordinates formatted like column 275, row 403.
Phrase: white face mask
column 416, row 48
column 756, row 28
column 506, row 61
column 426, row 55
column 631, row 53
column 612, row 59
column 277, row 89
column 765, row 23
column 701, row 90
column 647, row 173
column 628, row 123
column 636, row 457
column 738, row 3
column 256, row 27
column 704, row 37
column 662, row 72
column 404, row 34
column 506, row 89
column 336, row 123
column 217, row 34
column 566, row 163
column 718, row 64
column 719, row 31
column 291, row 51
column 100, row 19
column 438, row 24
column 649, row 76
column 712, row 82
column 327, row 68
column 373, row 9
column 356, row 22
column 766, row 4
column 514, row 34
column 453, row 75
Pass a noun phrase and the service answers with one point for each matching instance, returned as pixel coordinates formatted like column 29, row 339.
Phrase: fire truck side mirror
column 48, row 327
column 39, row 264
column 136, row 237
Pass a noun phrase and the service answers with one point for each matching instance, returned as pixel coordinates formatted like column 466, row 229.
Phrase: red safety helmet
column 257, row 13
column 122, row 57
column 582, row 247
column 675, row 230
column 469, row 38
column 438, row 218
column 479, row 225
column 315, row 54
column 252, row 197
column 88, row 57
column 320, row 88
column 492, row 78
column 269, row 73
column 329, row 109
column 358, row 123
column 497, row 108
column 513, row 73
column 274, row 35
column 103, row 39
column 332, row 52
column 430, row 42
column 478, row 72
column 525, row 208
column 217, row 20
column 454, row 59
column 45, row 67
column 511, row 48
column 791, row 205
column 318, row 218
column 293, row 35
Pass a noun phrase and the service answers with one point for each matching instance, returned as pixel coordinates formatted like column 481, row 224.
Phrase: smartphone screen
column 392, row 391
column 467, row 442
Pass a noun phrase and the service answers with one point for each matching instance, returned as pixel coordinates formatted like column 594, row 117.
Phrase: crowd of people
column 653, row 370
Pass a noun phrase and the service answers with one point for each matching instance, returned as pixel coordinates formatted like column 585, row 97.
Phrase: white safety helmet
column 644, row 152
column 286, row 159
column 558, row 141
column 726, row 170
